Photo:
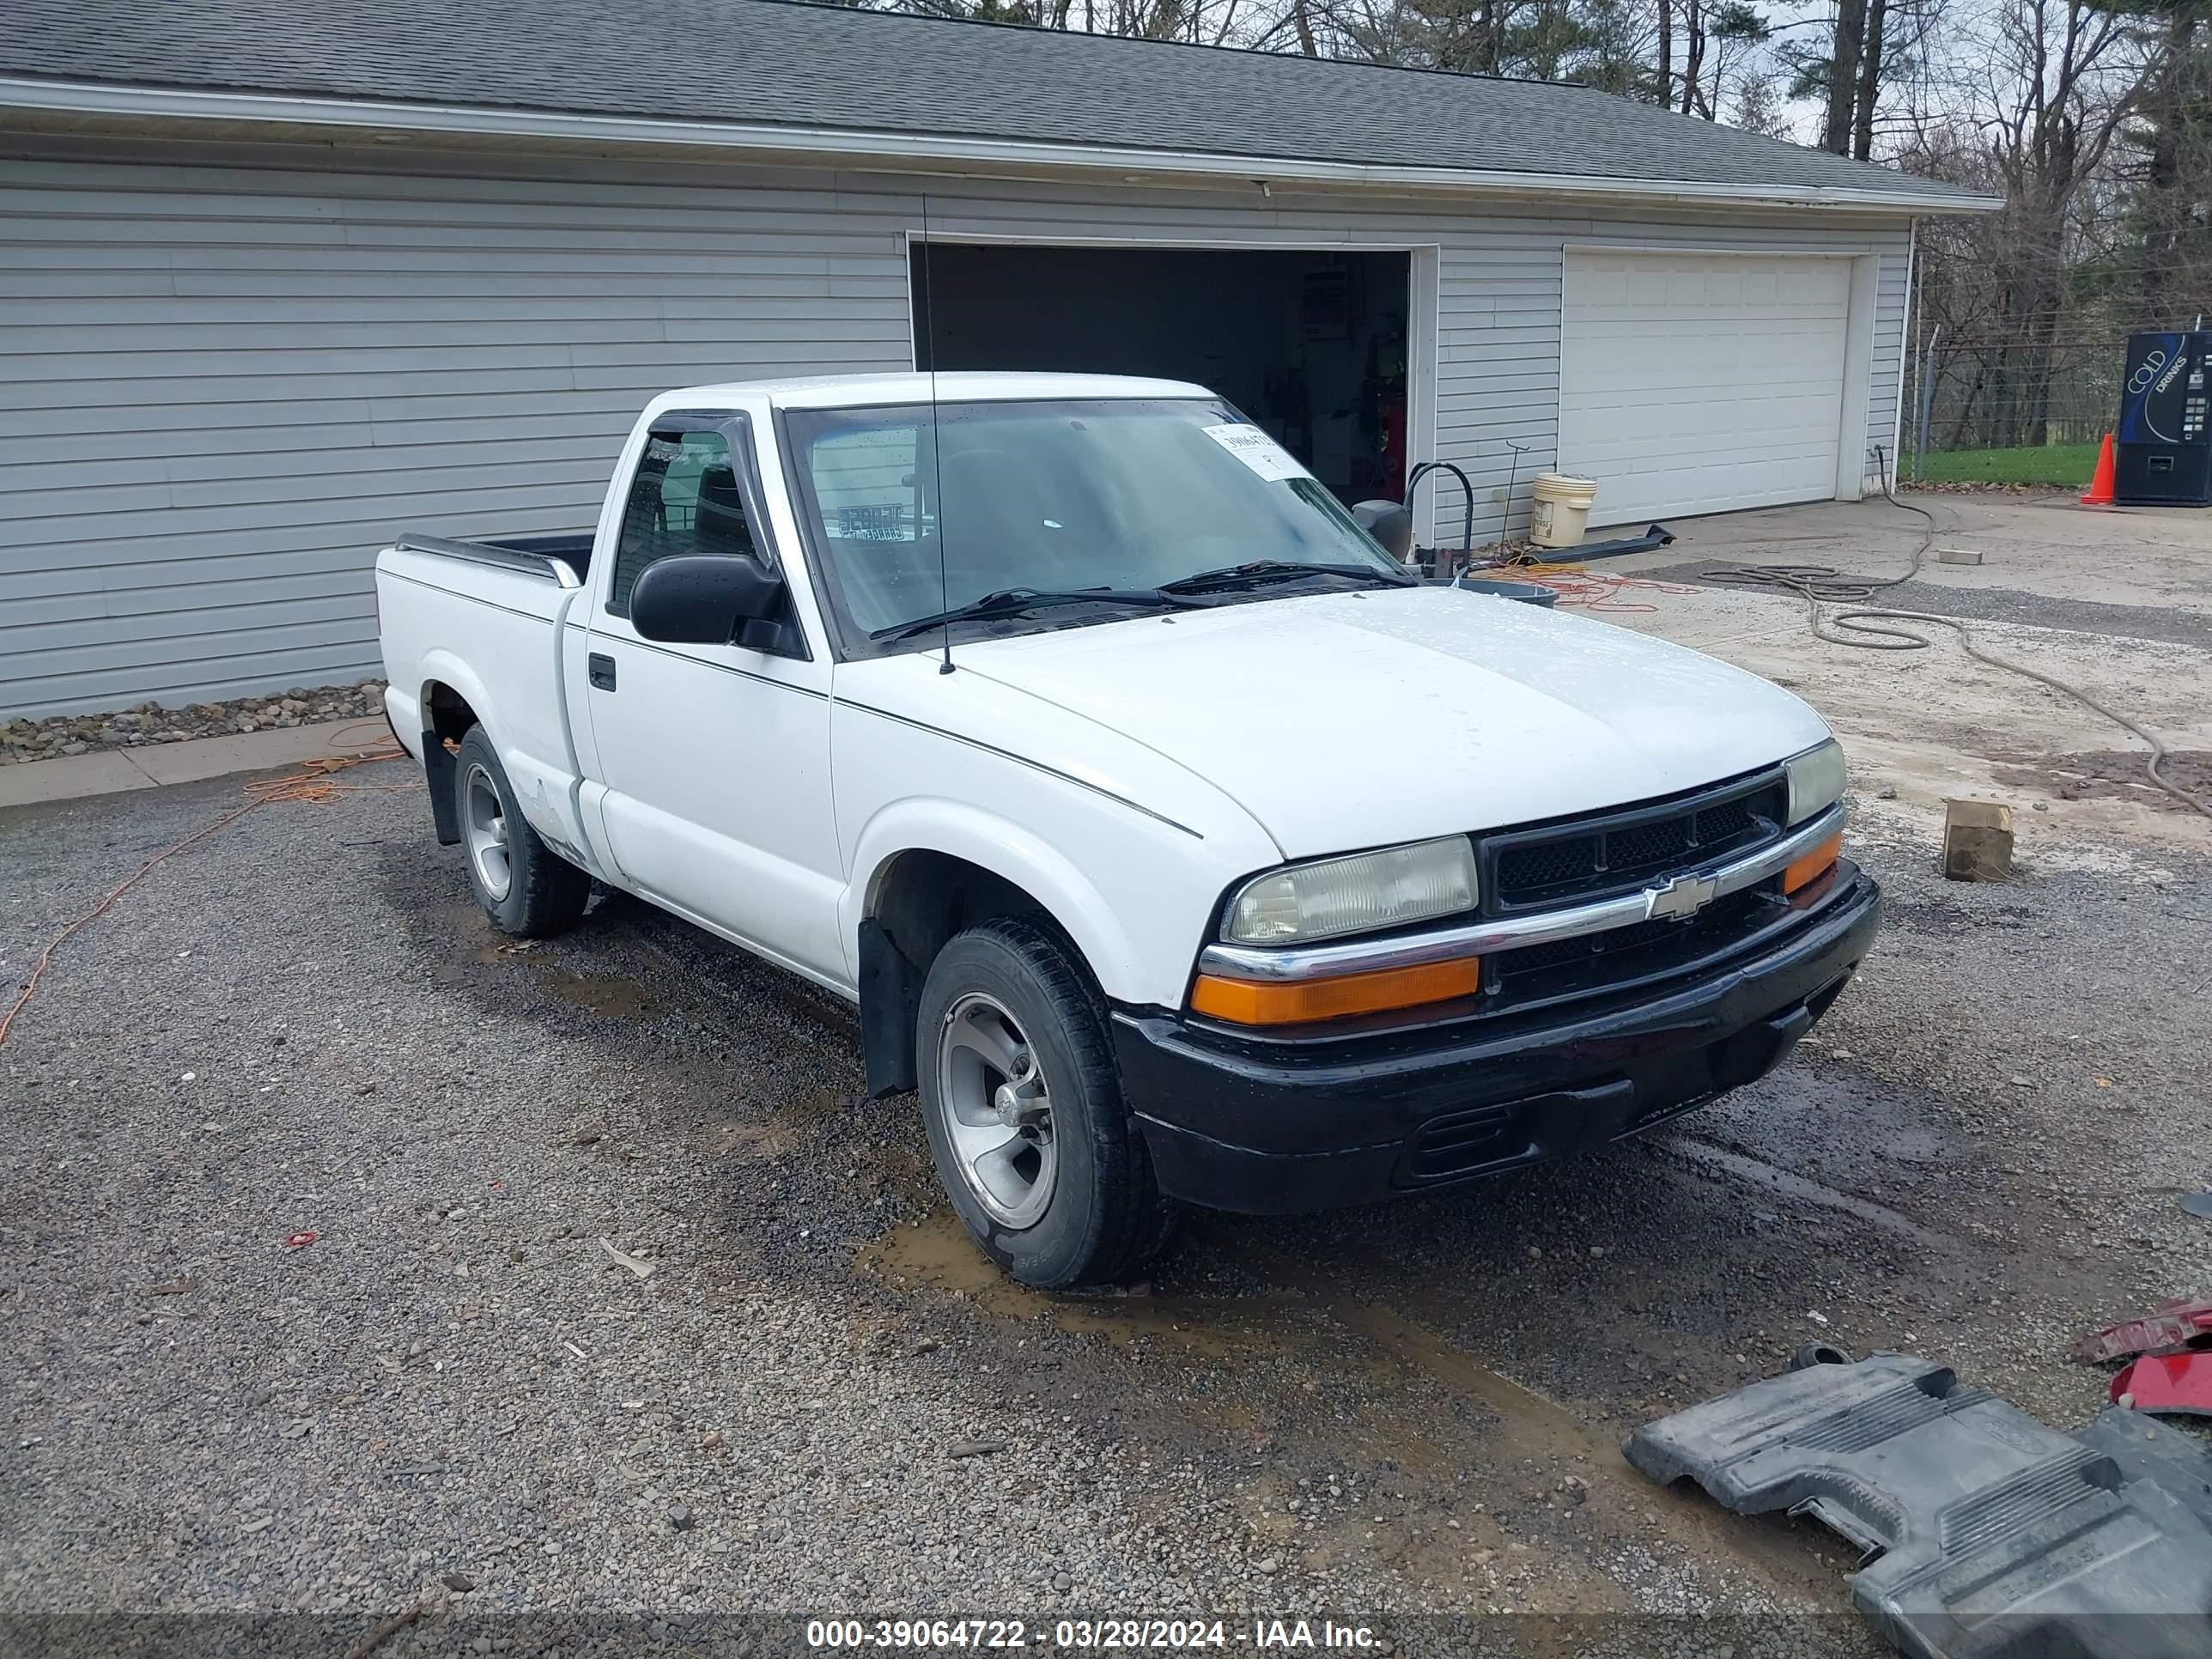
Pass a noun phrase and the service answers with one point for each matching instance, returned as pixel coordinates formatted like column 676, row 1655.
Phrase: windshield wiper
column 1258, row 571
column 1019, row 601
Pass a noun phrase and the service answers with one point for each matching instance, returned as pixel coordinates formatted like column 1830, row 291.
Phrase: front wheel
column 1032, row 1139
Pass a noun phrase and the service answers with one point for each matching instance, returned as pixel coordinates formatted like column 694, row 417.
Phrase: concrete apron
column 150, row 766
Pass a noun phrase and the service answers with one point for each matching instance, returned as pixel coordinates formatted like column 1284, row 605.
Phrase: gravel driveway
column 456, row 1393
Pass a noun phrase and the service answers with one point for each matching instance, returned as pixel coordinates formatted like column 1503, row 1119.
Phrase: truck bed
column 484, row 623
column 533, row 555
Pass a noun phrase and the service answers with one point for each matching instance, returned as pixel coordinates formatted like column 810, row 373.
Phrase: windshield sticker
column 1257, row 451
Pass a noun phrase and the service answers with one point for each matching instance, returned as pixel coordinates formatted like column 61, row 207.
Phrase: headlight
column 1816, row 780
column 1355, row 894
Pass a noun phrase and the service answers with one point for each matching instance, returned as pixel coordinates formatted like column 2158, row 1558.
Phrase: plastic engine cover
column 1993, row 1537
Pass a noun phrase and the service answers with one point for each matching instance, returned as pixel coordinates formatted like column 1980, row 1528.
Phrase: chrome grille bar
column 1670, row 897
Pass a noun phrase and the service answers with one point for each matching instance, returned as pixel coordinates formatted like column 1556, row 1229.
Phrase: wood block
column 1977, row 839
column 1958, row 556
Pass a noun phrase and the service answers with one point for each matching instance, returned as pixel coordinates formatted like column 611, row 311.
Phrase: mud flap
column 1990, row 1536
column 891, row 997
column 438, row 773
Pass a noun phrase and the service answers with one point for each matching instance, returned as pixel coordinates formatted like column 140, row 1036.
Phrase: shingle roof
column 768, row 62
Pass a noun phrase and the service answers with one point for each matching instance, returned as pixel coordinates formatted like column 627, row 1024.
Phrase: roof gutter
column 932, row 152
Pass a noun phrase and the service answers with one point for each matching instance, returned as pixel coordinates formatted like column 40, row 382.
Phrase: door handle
column 601, row 669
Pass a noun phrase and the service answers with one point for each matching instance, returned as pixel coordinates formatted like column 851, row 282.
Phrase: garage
column 1704, row 382
column 337, row 280
column 1311, row 345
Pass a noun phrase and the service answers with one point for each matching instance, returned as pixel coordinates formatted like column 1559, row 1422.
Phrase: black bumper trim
column 1272, row 1128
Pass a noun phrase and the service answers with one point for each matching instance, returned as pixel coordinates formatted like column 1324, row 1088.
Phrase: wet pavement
column 1413, row 1407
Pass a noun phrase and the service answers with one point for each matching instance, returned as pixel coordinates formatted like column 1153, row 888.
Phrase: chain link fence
column 2010, row 413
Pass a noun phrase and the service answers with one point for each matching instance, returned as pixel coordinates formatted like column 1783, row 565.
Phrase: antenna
column 928, row 340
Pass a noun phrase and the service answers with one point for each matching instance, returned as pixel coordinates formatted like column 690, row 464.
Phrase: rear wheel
column 1032, row 1139
column 525, row 887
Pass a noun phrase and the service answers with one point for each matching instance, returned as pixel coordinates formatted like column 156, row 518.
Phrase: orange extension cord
column 1589, row 590
column 311, row 782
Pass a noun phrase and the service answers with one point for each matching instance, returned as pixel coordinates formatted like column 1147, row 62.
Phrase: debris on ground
column 2183, row 1322
column 1977, row 839
column 976, row 1448
column 2179, row 1384
column 2197, row 1204
column 1818, row 1353
column 636, row 1264
column 299, row 1240
column 1986, row 1527
column 385, row 1632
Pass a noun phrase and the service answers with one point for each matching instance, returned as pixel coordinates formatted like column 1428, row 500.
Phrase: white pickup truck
column 1175, row 841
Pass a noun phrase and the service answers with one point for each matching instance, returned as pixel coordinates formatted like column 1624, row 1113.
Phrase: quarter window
column 684, row 499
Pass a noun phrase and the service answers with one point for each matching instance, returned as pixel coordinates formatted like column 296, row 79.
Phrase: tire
column 1038, row 1153
column 542, row 892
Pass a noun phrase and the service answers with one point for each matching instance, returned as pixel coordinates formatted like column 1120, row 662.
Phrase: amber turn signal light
column 1814, row 864
column 1297, row 1002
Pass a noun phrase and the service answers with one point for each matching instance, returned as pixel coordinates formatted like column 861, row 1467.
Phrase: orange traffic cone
column 2099, row 493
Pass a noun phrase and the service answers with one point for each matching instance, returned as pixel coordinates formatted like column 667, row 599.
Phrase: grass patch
column 2065, row 466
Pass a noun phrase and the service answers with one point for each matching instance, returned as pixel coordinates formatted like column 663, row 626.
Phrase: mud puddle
column 1593, row 1483
column 1756, row 1173
column 2115, row 775
column 789, row 1128
column 1370, row 1439
column 471, row 944
column 936, row 1254
column 609, row 994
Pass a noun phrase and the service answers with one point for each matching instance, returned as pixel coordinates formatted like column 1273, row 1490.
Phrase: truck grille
column 1579, row 860
column 1620, row 956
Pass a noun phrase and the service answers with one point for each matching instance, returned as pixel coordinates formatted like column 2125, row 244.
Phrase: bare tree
column 1843, row 78
column 2169, row 148
column 2041, row 91
column 1867, row 86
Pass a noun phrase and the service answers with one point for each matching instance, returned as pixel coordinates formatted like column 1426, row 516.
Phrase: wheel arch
column 452, row 701
column 918, row 893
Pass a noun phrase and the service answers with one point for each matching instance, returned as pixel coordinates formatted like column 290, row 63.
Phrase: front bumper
column 1271, row 1126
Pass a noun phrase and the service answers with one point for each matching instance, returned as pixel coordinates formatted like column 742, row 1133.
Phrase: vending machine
column 2164, row 448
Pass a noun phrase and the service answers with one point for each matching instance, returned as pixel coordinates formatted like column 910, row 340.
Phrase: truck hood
column 1351, row 720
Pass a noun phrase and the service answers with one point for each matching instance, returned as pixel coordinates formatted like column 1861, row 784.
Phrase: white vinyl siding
column 228, row 376
column 1702, row 383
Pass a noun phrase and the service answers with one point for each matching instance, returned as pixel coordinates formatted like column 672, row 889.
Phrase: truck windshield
column 1123, row 494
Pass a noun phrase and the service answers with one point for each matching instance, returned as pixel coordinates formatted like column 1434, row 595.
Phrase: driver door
column 715, row 758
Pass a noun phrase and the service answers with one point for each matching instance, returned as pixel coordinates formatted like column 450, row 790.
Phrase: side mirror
column 703, row 599
column 1390, row 524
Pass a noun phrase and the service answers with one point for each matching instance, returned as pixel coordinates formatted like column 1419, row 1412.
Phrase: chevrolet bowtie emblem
column 1682, row 896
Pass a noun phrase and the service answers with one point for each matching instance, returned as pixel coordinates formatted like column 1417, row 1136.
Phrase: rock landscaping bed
column 150, row 723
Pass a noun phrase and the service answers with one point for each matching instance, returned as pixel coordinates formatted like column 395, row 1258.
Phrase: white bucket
column 1562, row 509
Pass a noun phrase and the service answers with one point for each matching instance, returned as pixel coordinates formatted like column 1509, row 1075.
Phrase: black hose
column 1412, row 482
column 1820, row 584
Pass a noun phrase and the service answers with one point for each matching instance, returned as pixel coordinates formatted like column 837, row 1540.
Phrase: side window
column 684, row 499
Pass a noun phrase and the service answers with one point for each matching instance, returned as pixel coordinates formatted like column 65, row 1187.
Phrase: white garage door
column 1699, row 383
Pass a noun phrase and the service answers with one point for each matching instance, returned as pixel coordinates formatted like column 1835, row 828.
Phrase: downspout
column 1907, row 354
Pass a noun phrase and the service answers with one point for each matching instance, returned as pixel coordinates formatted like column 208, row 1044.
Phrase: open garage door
column 1310, row 345
column 1701, row 383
